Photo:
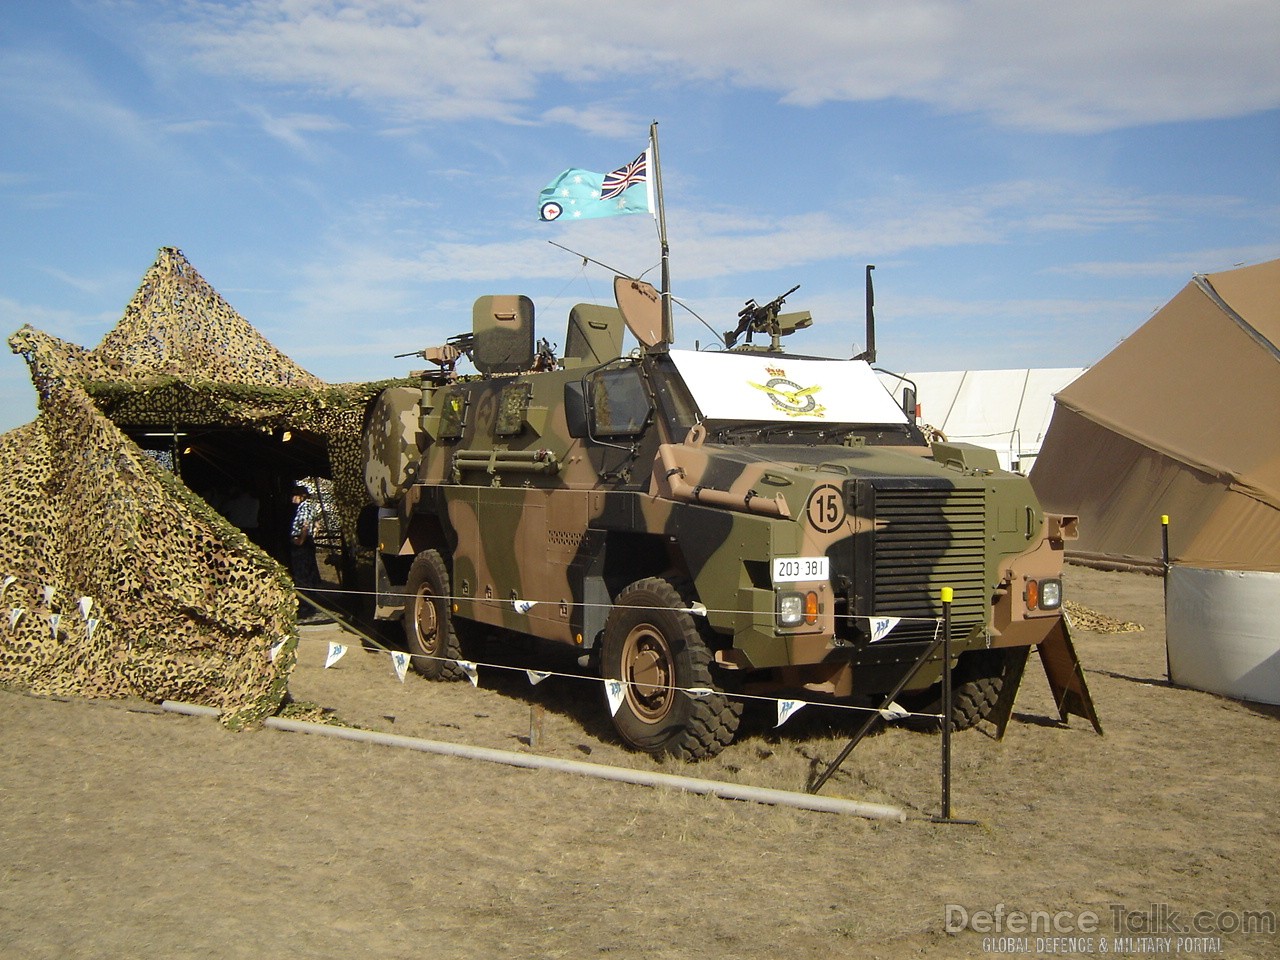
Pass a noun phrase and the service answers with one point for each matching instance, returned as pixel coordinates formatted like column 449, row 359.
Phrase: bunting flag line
column 54, row 620
column 277, row 647
column 15, row 615
column 48, row 592
column 787, row 709
column 5, row 584
column 895, row 711
column 470, row 669
column 580, row 194
column 85, row 604
column 400, row 660
column 613, row 691
column 90, row 626
column 523, row 606
column 882, row 626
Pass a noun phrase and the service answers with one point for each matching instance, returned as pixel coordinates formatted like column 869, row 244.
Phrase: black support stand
column 944, row 641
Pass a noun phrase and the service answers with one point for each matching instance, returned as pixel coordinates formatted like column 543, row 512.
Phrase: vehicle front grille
column 927, row 535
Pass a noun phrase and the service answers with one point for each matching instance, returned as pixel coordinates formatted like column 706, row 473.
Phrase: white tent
column 1005, row 410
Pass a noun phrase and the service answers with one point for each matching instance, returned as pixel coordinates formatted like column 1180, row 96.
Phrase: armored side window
column 453, row 415
column 619, row 404
column 513, row 403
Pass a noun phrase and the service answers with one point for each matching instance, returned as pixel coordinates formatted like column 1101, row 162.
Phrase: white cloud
column 291, row 129
column 1184, row 264
column 1087, row 66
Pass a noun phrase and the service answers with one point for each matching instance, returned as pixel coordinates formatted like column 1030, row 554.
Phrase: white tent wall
column 1221, row 631
column 1007, row 411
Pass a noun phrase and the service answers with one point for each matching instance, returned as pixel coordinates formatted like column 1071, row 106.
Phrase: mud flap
column 1066, row 677
column 1015, row 666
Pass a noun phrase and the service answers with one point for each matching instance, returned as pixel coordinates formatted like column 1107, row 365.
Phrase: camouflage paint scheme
column 489, row 473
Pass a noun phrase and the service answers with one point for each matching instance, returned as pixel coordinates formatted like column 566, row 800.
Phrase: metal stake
column 947, row 595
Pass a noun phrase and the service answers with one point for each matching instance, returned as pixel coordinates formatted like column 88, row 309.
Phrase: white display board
column 746, row 386
column 1221, row 631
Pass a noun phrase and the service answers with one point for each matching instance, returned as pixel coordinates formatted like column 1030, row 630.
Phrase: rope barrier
column 471, row 667
column 695, row 692
column 697, row 609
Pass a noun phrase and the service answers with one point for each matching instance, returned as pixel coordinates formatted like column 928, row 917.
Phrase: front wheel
column 976, row 684
column 652, row 644
column 428, row 623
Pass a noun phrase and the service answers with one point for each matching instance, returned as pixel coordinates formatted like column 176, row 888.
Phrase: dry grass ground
column 129, row 832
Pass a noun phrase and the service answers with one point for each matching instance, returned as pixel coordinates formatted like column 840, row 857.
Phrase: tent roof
column 179, row 325
column 1200, row 381
column 1178, row 420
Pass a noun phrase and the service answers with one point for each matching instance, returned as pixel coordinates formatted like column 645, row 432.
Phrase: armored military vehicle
column 727, row 521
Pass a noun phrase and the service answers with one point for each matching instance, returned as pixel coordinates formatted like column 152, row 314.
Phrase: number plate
column 796, row 569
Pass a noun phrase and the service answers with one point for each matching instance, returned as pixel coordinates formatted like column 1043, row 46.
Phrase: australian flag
column 580, row 194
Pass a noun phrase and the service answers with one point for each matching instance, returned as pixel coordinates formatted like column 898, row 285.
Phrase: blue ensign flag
column 580, row 194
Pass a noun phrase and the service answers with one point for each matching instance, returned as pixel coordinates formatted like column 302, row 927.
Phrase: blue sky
column 1032, row 180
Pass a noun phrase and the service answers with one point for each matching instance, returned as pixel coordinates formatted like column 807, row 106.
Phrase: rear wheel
column 428, row 623
column 652, row 644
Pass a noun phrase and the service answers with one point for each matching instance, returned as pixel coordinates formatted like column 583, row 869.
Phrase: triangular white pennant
column 90, row 626
column 400, row 660
column 4, row 585
column 277, row 647
column 786, row 709
column 470, row 670
column 699, row 692
column 614, row 692
column 536, row 676
column 47, row 592
column 85, row 604
column 524, row 606
column 895, row 711
column 54, row 620
column 698, row 609
column 336, row 653
column 15, row 615
column 882, row 626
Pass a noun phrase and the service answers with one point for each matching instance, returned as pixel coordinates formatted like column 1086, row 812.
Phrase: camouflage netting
column 181, row 605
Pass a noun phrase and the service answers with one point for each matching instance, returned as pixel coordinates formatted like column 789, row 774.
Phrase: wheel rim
column 425, row 620
column 649, row 670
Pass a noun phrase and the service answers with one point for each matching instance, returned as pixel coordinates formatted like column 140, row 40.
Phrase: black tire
column 976, row 684
column 652, row 644
column 428, row 622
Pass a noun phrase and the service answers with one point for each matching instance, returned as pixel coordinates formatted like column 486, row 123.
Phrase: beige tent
column 1180, row 419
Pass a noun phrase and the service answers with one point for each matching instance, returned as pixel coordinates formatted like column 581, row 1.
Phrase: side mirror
column 909, row 403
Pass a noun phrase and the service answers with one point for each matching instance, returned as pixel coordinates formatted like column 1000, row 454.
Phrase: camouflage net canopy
column 119, row 580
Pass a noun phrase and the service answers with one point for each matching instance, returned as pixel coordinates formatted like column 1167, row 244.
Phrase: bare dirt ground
column 131, row 832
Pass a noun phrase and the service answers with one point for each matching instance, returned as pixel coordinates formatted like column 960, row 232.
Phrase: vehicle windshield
column 752, row 388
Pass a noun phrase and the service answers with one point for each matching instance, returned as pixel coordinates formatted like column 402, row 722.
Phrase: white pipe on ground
column 717, row 788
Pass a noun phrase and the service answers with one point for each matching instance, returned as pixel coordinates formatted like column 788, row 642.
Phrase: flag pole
column 668, row 333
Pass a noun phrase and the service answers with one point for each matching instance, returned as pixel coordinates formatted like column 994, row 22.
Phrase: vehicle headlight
column 790, row 609
column 797, row 608
column 1043, row 594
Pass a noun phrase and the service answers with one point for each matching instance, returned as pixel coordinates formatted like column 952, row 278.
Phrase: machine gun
column 754, row 318
column 445, row 357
